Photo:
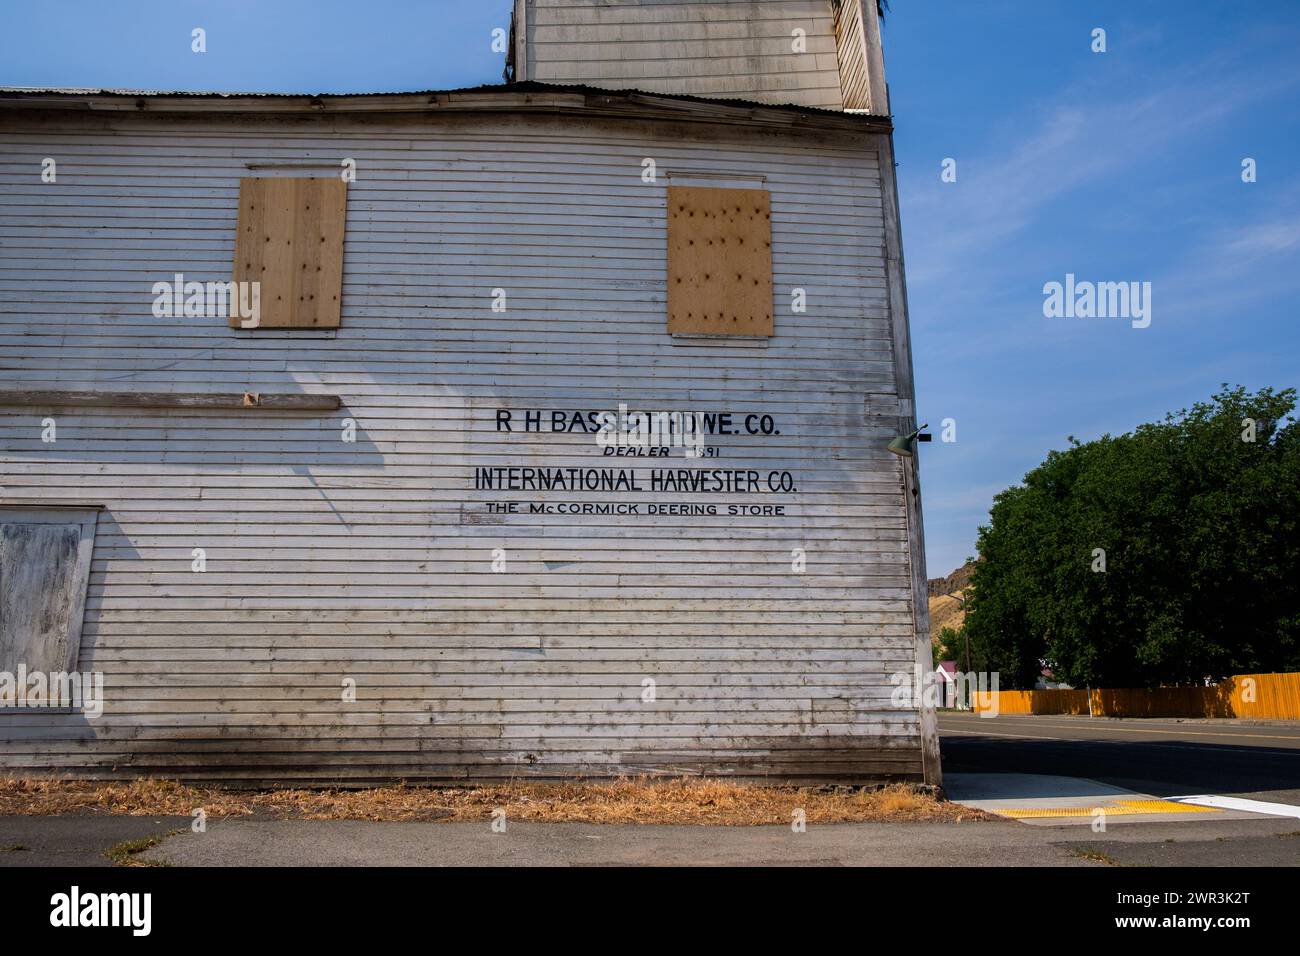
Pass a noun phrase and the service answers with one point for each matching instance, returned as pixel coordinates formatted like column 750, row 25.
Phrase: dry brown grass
column 641, row 800
column 947, row 610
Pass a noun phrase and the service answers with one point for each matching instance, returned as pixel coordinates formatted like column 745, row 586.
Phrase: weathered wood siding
column 372, row 560
column 733, row 48
column 851, row 44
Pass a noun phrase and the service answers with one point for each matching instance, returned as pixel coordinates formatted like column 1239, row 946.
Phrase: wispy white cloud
column 1085, row 136
column 1233, row 265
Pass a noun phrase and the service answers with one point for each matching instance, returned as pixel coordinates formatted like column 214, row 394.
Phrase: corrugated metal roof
column 530, row 86
column 95, row 91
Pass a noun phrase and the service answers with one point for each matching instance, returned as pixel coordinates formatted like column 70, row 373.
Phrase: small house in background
column 946, row 681
column 326, row 420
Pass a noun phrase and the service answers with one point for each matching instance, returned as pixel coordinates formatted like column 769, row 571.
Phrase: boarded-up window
column 719, row 261
column 44, row 566
column 290, row 239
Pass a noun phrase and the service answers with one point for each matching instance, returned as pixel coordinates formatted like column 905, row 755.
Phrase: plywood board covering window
column 719, row 261
column 290, row 238
column 44, row 567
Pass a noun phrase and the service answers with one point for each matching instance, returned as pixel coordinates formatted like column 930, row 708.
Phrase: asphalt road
column 996, row 843
column 77, row 840
column 1162, row 757
column 87, row 841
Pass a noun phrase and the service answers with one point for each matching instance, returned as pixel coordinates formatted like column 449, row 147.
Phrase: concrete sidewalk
column 1051, row 800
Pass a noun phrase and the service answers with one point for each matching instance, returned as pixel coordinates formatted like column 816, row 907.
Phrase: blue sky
column 1123, row 165
column 1115, row 166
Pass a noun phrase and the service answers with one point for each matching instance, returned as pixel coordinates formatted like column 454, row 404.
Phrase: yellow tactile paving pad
column 1119, row 808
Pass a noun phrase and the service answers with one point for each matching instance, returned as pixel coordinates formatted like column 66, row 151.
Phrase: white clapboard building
column 533, row 430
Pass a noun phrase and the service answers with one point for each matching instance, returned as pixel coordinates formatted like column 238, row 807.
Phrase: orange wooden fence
column 1262, row 696
column 1274, row 696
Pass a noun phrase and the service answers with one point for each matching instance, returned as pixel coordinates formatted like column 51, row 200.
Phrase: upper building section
column 820, row 53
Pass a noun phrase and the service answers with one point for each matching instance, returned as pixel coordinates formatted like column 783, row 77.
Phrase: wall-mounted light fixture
column 905, row 445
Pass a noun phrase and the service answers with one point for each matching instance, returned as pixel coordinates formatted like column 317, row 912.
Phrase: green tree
column 949, row 646
column 1196, row 528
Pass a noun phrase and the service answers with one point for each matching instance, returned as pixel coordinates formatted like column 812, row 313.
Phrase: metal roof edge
column 530, row 96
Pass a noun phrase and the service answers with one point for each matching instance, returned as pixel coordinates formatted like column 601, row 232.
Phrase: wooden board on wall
column 290, row 238
column 719, row 261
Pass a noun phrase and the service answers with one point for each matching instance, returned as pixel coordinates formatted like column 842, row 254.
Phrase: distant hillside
column 956, row 581
column 946, row 596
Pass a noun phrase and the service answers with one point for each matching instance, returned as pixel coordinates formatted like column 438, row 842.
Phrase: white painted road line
column 1240, row 803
